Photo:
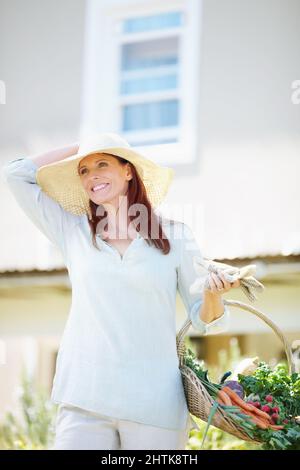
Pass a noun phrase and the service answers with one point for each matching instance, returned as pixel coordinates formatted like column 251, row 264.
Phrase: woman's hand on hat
column 218, row 283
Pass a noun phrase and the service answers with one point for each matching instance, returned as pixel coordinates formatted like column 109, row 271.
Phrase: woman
column 117, row 380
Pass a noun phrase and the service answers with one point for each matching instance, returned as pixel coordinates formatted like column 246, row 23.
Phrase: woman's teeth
column 100, row 187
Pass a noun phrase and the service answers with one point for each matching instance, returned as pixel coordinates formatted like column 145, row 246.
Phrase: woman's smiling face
column 104, row 178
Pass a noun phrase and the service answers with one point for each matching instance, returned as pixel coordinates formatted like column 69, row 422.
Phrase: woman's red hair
column 136, row 195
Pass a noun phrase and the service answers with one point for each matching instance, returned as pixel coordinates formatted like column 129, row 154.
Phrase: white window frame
column 102, row 40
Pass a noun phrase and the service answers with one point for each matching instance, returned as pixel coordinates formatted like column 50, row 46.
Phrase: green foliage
column 285, row 392
column 35, row 429
column 216, row 439
column 284, row 388
column 233, row 412
column 198, row 367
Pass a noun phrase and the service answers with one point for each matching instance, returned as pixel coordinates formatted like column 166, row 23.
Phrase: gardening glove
column 249, row 285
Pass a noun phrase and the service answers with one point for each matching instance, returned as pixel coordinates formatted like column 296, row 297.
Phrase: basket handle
column 181, row 349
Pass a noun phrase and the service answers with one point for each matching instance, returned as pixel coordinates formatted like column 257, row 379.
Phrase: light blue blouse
column 118, row 354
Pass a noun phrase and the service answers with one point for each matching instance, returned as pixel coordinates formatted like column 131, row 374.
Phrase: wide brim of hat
column 61, row 181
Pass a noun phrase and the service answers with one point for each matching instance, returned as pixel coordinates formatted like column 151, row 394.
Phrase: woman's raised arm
column 45, row 213
column 55, row 155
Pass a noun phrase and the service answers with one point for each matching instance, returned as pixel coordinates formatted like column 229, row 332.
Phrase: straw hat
column 61, row 181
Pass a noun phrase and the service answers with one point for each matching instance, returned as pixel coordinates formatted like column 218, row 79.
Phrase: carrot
column 259, row 422
column 224, row 397
column 276, row 427
column 218, row 399
column 262, row 422
column 234, row 396
column 260, row 418
column 255, row 418
column 261, row 414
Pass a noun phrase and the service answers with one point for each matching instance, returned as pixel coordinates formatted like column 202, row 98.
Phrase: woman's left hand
column 218, row 283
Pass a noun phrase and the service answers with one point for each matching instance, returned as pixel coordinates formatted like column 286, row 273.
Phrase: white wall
column 41, row 46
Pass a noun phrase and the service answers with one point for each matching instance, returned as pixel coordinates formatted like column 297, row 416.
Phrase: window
column 142, row 75
column 149, row 78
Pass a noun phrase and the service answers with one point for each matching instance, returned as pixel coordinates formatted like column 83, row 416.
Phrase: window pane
column 149, row 54
column 150, row 115
column 142, row 85
column 153, row 141
column 153, row 22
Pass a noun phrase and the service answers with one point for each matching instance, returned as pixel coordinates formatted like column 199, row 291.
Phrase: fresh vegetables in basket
column 265, row 403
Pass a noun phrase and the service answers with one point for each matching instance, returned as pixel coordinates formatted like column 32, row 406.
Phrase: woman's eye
column 84, row 169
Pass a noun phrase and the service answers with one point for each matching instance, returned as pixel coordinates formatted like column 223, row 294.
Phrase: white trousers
column 77, row 429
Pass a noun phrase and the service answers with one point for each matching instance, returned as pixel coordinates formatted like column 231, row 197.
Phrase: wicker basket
column 199, row 401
